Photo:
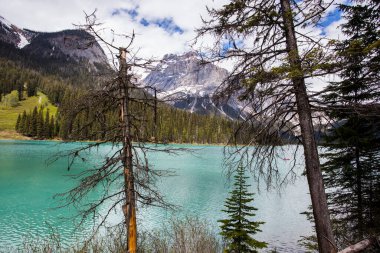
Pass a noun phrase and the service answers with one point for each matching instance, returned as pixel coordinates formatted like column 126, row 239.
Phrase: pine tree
column 23, row 126
column 52, row 127
column 238, row 229
column 33, row 123
column 46, row 132
column 352, row 169
column 28, row 126
column 57, row 127
column 18, row 122
column 40, row 124
column 274, row 55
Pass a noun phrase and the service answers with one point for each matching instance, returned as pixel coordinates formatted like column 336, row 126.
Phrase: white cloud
column 333, row 31
column 49, row 16
column 316, row 84
column 151, row 41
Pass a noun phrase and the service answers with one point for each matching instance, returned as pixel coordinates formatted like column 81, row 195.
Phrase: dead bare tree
column 118, row 110
column 274, row 55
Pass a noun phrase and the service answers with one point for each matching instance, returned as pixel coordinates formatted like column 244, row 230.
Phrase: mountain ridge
column 186, row 82
column 183, row 81
column 71, row 54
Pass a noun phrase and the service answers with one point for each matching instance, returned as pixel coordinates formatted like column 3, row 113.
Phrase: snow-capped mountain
column 75, row 46
column 184, row 82
column 13, row 35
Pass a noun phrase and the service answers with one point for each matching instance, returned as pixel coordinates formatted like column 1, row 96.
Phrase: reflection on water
column 28, row 184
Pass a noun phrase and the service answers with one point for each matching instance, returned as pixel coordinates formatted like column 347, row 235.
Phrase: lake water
column 28, row 184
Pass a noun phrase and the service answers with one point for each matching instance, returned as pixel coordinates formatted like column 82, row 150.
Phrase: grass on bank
column 12, row 135
column 8, row 115
column 188, row 235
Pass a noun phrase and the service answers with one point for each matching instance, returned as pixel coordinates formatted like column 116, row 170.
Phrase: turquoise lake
column 28, row 183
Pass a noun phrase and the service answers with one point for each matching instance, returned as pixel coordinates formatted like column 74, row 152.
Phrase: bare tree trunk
column 361, row 246
column 359, row 192
column 130, row 206
column 155, row 116
column 326, row 242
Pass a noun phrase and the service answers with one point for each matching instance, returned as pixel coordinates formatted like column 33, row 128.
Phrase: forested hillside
column 169, row 125
column 62, row 54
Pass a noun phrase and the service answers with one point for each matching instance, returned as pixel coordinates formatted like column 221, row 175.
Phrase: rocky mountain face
column 181, row 80
column 66, row 53
column 11, row 34
column 74, row 45
column 184, row 82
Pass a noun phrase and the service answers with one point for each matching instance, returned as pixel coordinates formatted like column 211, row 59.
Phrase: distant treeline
column 15, row 77
column 169, row 125
column 36, row 124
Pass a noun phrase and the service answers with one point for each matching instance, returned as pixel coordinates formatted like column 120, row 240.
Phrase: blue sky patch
column 329, row 19
column 229, row 44
column 131, row 12
column 168, row 25
column 144, row 22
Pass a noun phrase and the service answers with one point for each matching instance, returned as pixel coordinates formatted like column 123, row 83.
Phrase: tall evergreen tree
column 238, row 229
column 56, row 126
column 40, row 124
column 274, row 56
column 23, row 126
column 28, row 126
column 352, row 169
column 18, row 122
column 33, row 122
column 46, row 132
column 52, row 132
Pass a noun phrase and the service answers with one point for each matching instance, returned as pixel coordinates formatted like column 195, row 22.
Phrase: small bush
column 179, row 236
column 11, row 100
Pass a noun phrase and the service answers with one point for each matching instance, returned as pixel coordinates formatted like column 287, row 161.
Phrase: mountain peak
column 168, row 57
column 189, row 84
column 185, row 72
column 191, row 55
column 77, row 46
column 5, row 22
column 12, row 34
column 188, row 55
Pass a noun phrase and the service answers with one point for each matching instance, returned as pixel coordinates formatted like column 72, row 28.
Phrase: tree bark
column 129, row 208
column 359, row 192
column 360, row 246
column 326, row 242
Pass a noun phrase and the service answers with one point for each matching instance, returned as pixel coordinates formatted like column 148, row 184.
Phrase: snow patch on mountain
column 185, row 82
column 23, row 41
column 73, row 45
column 12, row 34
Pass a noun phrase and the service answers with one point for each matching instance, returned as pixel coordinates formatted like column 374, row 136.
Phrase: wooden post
column 129, row 208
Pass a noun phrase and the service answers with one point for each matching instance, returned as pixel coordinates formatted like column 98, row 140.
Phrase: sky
column 161, row 26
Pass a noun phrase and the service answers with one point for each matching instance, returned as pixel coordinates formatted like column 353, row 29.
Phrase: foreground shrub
column 179, row 236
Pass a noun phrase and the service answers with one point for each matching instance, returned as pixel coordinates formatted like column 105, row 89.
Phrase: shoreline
column 13, row 135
